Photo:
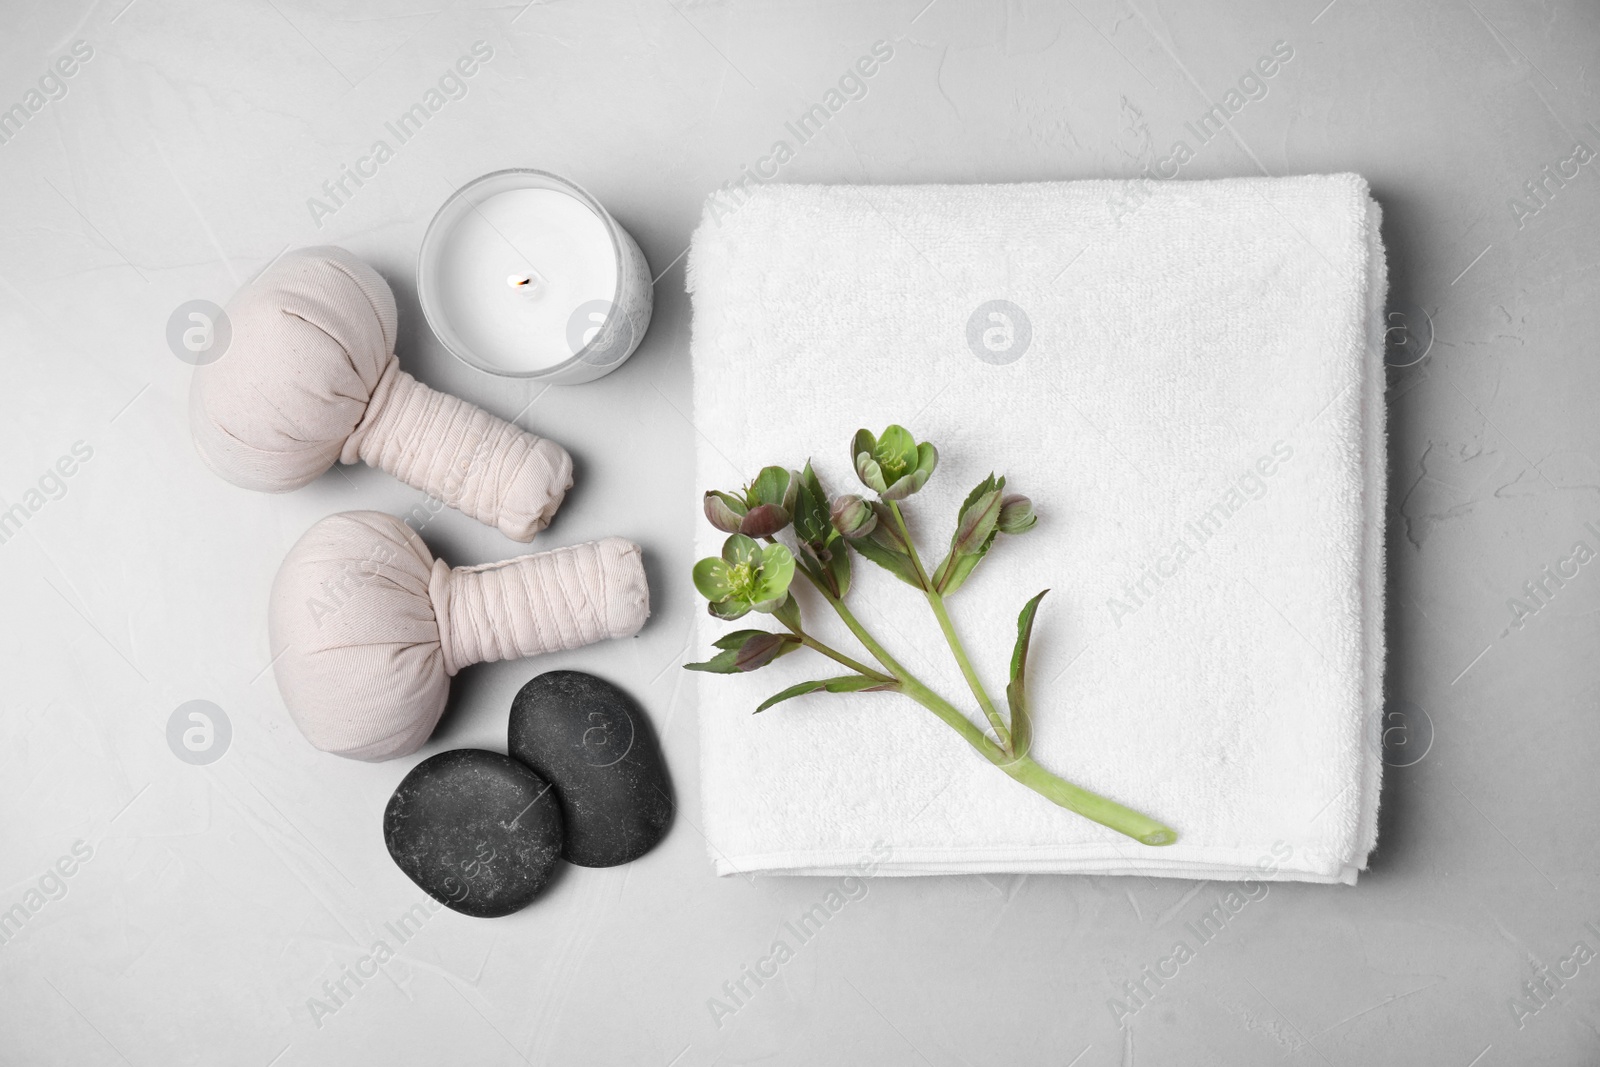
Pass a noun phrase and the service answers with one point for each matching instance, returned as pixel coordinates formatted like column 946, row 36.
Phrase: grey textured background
column 218, row 899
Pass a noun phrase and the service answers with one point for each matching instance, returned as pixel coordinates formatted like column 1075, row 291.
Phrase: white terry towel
column 1198, row 418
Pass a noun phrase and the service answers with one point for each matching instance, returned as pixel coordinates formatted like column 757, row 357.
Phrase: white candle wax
column 556, row 244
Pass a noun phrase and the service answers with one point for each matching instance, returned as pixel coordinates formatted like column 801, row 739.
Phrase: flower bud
column 853, row 516
column 1016, row 514
column 764, row 521
column 724, row 511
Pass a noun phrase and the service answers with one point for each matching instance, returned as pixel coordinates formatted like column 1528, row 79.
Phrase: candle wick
column 529, row 283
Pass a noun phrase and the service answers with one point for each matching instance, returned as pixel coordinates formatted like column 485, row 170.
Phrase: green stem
column 870, row 643
column 1074, row 798
column 954, row 718
column 1108, row 813
column 909, row 682
column 879, row 653
column 837, row 656
column 1093, row 806
column 957, row 649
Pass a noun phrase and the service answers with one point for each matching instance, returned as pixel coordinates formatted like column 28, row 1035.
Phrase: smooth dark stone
column 595, row 745
column 478, row 831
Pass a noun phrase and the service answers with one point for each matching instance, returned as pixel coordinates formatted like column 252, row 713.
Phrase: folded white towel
column 1198, row 418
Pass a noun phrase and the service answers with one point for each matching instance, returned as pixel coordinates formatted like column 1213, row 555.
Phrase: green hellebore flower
column 894, row 465
column 853, row 516
column 748, row 577
column 1016, row 514
column 764, row 507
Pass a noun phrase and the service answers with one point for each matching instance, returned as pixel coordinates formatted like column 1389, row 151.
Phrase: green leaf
column 987, row 485
column 759, row 651
column 1016, row 689
column 790, row 693
column 960, row 568
column 811, row 521
column 896, row 563
column 1019, row 655
column 976, row 524
column 974, row 534
column 721, row 663
column 858, row 683
column 954, row 571
column 975, row 531
column 746, row 650
column 809, row 560
column 789, row 613
column 838, row 567
column 887, row 532
column 711, row 578
column 736, row 638
column 827, row 564
column 849, row 683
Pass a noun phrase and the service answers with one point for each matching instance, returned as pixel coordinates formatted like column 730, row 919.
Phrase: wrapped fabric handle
column 548, row 602
column 478, row 463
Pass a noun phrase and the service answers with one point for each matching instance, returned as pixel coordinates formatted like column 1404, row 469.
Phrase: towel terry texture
column 1197, row 414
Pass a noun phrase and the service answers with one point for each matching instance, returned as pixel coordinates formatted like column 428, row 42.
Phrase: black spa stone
column 595, row 745
column 478, row 831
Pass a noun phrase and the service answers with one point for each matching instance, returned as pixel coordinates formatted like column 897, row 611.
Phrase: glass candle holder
column 523, row 274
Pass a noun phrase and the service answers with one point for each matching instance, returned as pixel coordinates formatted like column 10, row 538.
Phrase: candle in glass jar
column 525, row 275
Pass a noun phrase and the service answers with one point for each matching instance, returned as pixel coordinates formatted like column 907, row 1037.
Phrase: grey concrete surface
column 211, row 908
